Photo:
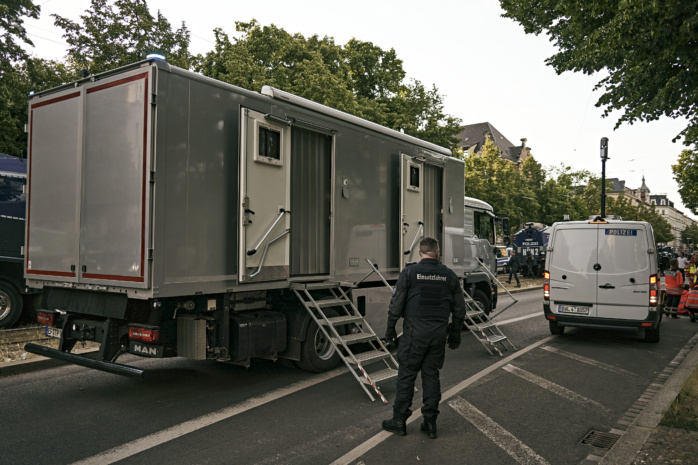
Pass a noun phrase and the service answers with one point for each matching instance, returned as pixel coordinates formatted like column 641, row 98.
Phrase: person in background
column 682, row 262
column 673, row 282
column 514, row 265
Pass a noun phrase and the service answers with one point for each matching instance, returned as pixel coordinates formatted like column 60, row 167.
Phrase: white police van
column 602, row 274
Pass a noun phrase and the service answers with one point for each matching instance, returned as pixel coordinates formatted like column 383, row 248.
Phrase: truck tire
column 317, row 353
column 555, row 328
column 652, row 334
column 10, row 305
column 482, row 301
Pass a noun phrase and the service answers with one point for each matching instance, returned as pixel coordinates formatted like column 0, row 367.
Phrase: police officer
column 426, row 295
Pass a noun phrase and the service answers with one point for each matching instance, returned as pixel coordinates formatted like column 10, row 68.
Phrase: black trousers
column 415, row 354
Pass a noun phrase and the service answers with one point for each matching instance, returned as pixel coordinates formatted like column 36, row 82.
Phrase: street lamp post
column 604, row 157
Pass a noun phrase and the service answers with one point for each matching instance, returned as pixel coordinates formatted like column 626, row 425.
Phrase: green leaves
column 359, row 78
column 116, row 34
column 648, row 49
column 686, row 175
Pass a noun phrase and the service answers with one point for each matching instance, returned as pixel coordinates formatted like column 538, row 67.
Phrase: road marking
column 498, row 435
column 589, row 361
column 552, row 387
column 514, row 320
column 366, row 446
column 148, row 442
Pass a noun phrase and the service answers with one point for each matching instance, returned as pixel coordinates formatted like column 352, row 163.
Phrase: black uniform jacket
column 426, row 295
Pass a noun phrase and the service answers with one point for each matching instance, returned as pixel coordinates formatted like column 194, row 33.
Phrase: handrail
column 281, row 213
column 421, row 226
column 264, row 254
column 481, row 264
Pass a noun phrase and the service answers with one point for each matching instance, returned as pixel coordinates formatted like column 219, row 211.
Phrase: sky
column 485, row 66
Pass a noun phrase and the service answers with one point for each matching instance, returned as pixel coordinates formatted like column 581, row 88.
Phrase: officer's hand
column 391, row 336
column 454, row 340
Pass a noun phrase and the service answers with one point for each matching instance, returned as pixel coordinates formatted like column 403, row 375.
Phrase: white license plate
column 54, row 332
column 578, row 309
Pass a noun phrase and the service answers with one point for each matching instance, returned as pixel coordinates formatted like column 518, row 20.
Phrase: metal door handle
column 607, row 286
column 282, row 212
column 408, row 251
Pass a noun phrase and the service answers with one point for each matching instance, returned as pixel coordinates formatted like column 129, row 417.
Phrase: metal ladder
column 357, row 331
column 484, row 329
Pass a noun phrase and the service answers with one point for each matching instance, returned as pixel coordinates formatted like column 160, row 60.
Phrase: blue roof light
column 155, row 56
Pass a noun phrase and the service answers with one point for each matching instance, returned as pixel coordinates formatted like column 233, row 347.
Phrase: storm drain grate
column 600, row 439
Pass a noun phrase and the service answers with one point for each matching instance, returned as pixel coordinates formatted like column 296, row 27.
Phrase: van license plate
column 581, row 310
column 54, row 332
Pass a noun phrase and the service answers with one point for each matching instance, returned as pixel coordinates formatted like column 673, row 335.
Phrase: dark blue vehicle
column 14, row 294
column 530, row 244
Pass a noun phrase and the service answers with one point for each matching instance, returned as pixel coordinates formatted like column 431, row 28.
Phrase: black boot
column 395, row 426
column 429, row 427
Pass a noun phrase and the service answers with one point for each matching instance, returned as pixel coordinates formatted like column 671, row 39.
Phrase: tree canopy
column 359, row 78
column 12, row 14
column 686, row 175
column 119, row 33
column 649, row 50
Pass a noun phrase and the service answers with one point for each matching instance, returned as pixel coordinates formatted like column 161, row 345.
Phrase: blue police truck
column 529, row 245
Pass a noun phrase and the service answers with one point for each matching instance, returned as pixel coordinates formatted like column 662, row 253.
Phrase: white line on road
column 501, row 437
column 147, row 442
column 552, row 387
column 366, row 446
column 589, row 361
column 514, row 320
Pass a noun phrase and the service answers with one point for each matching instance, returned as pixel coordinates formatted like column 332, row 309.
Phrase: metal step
column 474, row 314
column 494, row 339
column 381, row 376
column 369, row 357
column 354, row 338
column 324, row 303
column 487, row 325
column 342, row 320
column 313, row 286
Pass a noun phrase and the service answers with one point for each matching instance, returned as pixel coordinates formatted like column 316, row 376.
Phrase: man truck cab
column 602, row 274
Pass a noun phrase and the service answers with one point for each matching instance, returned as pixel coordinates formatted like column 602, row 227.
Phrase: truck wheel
column 482, row 301
column 652, row 334
column 10, row 305
column 555, row 328
column 317, row 353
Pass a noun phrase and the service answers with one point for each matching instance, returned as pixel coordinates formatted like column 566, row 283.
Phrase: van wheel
column 317, row 353
column 555, row 328
column 652, row 334
column 10, row 305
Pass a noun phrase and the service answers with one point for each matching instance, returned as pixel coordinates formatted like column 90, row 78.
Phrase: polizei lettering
column 430, row 277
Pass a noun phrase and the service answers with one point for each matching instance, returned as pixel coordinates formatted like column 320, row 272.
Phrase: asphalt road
column 532, row 406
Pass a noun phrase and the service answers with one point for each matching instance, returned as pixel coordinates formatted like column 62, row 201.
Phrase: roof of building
column 473, row 137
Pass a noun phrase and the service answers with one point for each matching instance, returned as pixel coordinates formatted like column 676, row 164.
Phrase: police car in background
column 503, row 258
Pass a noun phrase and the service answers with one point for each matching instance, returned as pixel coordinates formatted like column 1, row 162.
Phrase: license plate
column 578, row 309
column 54, row 332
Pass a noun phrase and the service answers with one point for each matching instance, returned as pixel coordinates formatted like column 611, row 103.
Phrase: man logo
column 145, row 350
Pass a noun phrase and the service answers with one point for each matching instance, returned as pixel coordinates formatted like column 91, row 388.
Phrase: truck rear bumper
column 109, row 367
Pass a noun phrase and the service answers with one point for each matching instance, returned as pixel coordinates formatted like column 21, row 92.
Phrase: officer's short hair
column 674, row 262
column 428, row 245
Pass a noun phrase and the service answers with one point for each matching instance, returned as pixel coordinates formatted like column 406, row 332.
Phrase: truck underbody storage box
column 257, row 334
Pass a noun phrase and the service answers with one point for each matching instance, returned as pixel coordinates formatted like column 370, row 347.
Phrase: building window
column 663, row 202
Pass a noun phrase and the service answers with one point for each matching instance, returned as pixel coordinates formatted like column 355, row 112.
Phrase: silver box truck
column 169, row 214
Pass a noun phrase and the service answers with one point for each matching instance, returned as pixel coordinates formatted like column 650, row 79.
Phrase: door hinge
column 152, row 176
column 153, row 99
column 150, row 254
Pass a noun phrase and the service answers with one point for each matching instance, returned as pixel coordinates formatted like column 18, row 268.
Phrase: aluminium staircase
column 370, row 367
column 484, row 329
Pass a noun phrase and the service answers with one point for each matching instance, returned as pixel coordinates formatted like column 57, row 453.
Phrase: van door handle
column 607, row 286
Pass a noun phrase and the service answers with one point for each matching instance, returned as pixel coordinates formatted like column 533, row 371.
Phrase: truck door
column 411, row 208
column 89, row 194
column 311, row 197
column 421, row 205
column 265, row 193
